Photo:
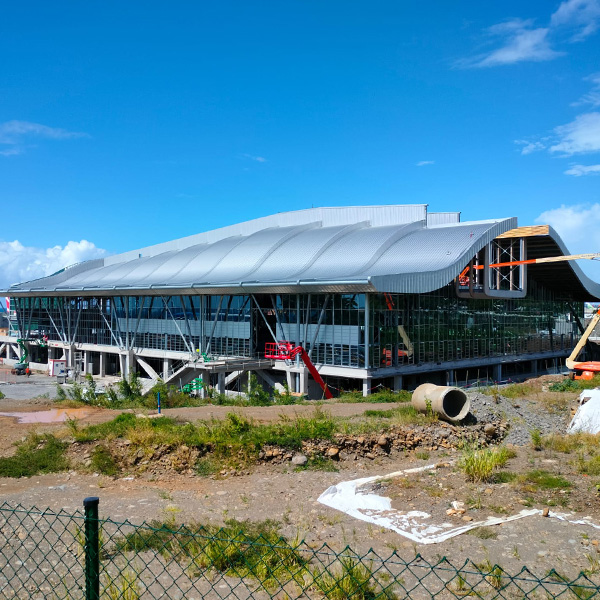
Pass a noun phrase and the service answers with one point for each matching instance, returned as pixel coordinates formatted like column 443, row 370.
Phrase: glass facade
column 351, row 330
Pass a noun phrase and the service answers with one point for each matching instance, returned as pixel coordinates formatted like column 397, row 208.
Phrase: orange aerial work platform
column 285, row 350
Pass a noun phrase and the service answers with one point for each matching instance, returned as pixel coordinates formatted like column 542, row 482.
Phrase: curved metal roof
column 398, row 249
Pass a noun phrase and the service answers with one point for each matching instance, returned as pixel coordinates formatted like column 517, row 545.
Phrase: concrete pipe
column 449, row 403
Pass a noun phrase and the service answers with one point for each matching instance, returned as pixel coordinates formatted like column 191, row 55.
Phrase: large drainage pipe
column 449, row 403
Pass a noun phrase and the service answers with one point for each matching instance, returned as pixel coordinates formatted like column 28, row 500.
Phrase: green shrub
column 103, row 461
column 37, row 454
column 2, row 395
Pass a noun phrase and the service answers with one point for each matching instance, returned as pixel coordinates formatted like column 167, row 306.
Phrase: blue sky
column 128, row 124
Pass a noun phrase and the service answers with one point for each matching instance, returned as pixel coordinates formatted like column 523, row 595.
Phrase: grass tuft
column 479, row 464
column 37, row 454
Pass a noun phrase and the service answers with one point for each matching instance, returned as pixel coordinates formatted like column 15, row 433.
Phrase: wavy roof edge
column 392, row 248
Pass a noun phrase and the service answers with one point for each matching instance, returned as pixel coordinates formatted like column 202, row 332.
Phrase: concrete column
column 303, row 377
column 367, row 385
column 85, row 363
column 102, row 364
column 397, row 383
column 534, row 367
column 166, row 367
column 497, row 372
column 221, row 383
column 130, row 363
column 450, row 377
column 205, row 379
column 123, row 365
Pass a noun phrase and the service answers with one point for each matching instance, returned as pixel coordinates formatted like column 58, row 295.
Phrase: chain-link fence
column 58, row 555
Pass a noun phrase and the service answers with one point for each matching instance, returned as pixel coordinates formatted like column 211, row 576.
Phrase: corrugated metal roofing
column 398, row 249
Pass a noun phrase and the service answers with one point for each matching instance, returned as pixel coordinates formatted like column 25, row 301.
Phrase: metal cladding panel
column 295, row 254
column 60, row 276
column 352, row 252
column 198, row 267
column 429, row 259
column 249, row 254
column 328, row 216
column 444, row 218
column 172, row 264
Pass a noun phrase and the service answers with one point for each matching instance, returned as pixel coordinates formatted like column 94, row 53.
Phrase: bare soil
column 289, row 496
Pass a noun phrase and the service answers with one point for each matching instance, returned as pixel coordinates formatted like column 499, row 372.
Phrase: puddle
column 54, row 415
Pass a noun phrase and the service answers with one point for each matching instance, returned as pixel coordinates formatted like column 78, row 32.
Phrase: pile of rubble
column 400, row 439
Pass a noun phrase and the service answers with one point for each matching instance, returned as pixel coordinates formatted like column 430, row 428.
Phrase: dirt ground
column 290, row 497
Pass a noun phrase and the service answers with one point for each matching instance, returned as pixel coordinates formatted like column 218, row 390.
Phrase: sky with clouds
column 127, row 124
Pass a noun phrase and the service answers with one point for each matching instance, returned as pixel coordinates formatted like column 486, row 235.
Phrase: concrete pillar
column 497, row 373
column 102, row 364
column 86, row 358
column 534, row 367
column 450, row 377
column 130, row 364
column 303, row 377
column 397, row 383
column 367, row 385
column 166, row 367
column 221, row 383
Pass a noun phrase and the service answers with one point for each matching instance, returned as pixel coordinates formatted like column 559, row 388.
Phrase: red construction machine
column 287, row 351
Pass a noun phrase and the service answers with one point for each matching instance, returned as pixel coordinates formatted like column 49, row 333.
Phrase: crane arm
column 570, row 362
column 531, row 261
column 312, row 369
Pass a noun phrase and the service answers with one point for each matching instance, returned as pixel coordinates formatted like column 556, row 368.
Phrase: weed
column 318, row 463
column 484, row 533
column 594, row 564
column 493, row 573
column 382, row 396
column 536, row 439
column 2, row 395
column 422, row 455
column 103, row 461
column 505, row 477
column 205, row 467
column 480, row 464
column 545, row 480
column 164, row 495
column 37, row 454
column 351, row 579
column 589, row 467
column 125, row 587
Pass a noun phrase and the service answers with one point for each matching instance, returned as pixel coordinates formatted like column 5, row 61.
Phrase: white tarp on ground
column 587, row 417
column 355, row 499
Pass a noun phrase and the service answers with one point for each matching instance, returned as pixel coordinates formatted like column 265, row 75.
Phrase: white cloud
column 424, row 163
column 522, row 42
column 23, row 263
column 579, row 170
column 17, row 134
column 579, row 136
column 593, row 96
column 581, row 15
column 519, row 40
column 579, row 227
column 260, row 159
column 529, row 146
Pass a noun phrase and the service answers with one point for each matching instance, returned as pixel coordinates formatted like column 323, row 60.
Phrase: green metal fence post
column 92, row 549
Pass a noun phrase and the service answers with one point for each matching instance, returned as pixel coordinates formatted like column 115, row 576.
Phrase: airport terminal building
column 376, row 295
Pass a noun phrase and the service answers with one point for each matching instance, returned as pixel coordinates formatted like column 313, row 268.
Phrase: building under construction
column 376, row 296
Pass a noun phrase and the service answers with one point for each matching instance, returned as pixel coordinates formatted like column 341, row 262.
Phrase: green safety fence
column 60, row 555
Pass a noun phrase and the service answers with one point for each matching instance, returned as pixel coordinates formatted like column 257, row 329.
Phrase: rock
column 545, row 512
column 489, row 430
column 299, row 459
column 488, row 491
column 333, row 452
column 370, row 455
column 467, row 518
column 382, row 441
